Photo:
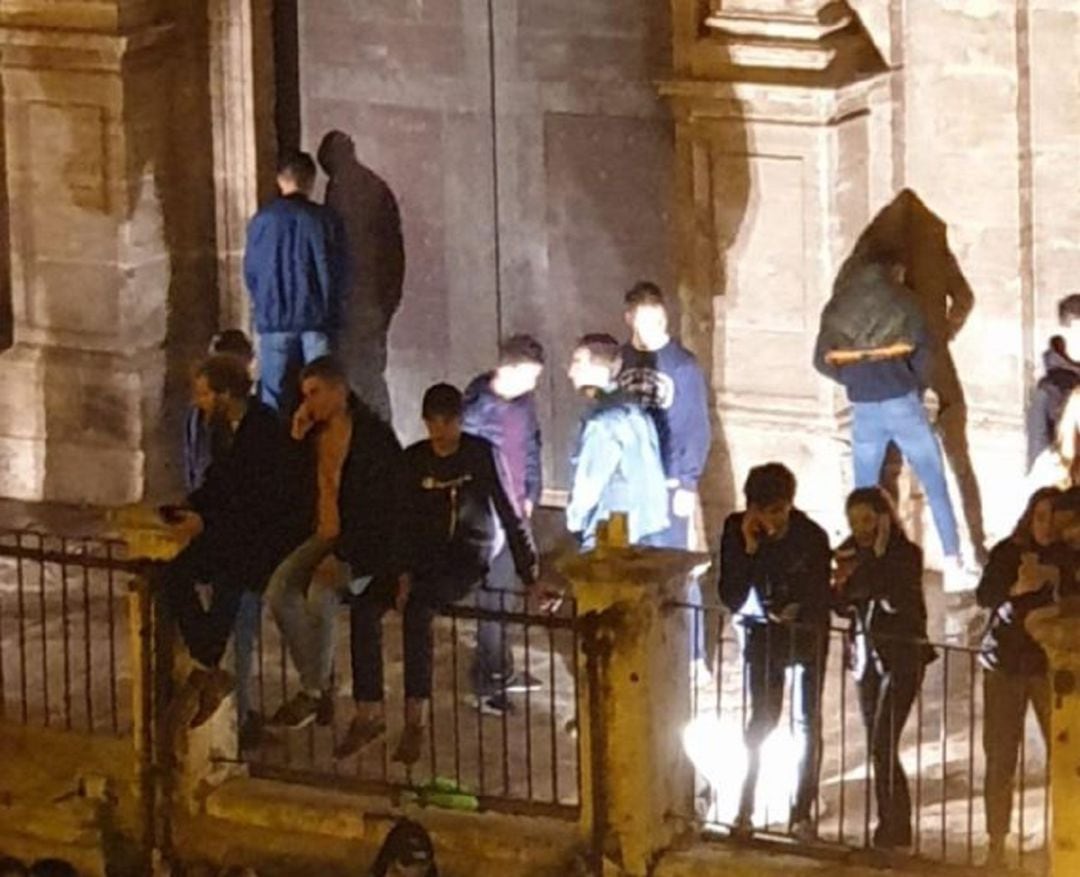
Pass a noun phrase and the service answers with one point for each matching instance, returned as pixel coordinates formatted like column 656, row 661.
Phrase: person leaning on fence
column 454, row 501
column 878, row 584
column 616, row 462
column 774, row 574
column 1023, row 573
column 240, row 523
column 348, row 462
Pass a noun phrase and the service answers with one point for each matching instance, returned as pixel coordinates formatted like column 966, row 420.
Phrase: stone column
column 93, row 243
column 1057, row 628
column 772, row 103
column 635, row 701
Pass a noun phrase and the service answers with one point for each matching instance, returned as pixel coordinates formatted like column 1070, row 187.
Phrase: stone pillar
column 635, row 700
column 772, row 103
column 1057, row 628
column 242, row 95
column 86, row 101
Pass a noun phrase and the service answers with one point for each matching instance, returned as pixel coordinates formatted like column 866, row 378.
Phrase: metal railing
column 522, row 760
column 940, row 748
column 65, row 657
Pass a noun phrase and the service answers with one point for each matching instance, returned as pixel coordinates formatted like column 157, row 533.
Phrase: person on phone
column 878, row 584
column 1022, row 574
column 348, row 464
column 238, row 525
column 616, row 464
column 878, row 348
column 775, row 567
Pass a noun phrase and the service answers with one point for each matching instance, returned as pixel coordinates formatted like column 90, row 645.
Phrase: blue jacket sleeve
column 597, row 458
column 534, row 467
column 692, row 424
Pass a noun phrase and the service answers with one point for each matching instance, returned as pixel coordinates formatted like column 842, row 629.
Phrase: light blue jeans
column 306, row 611
column 281, row 356
column 903, row 420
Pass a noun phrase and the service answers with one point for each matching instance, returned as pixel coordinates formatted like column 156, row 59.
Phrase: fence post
column 1057, row 628
column 635, row 701
column 141, row 632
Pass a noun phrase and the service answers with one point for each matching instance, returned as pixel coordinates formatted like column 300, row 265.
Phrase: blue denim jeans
column 903, row 420
column 246, row 632
column 281, row 356
column 305, row 609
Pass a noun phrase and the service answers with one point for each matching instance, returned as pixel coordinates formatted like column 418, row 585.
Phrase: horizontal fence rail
column 940, row 748
column 522, row 760
column 64, row 647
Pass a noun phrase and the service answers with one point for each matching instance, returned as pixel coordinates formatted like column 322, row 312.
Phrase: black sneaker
column 521, row 682
column 360, row 735
column 298, row 712
column 494, row 705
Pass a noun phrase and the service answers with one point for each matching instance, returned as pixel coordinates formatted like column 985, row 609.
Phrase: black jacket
column 248, row 499
column 454, row 510
column 1006, row 645
column 884, row 599
column 366, row 498
column 793, row 569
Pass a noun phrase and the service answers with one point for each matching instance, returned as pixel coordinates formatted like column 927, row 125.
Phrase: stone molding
column 72, row 50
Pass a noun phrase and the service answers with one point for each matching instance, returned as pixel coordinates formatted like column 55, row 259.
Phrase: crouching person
column 348, row 460
column 238, row 525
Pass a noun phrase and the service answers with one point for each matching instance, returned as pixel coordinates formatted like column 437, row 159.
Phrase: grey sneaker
column 361, row 734
column 299, row 712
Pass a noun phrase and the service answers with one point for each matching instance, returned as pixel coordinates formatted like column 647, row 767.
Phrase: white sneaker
column 957, row 578
column 700, row 674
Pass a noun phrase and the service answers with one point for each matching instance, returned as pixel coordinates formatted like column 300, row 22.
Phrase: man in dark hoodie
column 240, row 524
column 873, row 341
column 454, row 504
column 775, row 568
column 295, row 269
column 500, row 406
column 1061, row 378
column 347, row 466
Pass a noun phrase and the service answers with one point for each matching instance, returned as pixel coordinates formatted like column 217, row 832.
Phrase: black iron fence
column 65, row 657
column 521, row 758
column 940, row 748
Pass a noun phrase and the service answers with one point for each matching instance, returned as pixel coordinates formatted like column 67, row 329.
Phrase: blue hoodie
column 617, row 468
column 295, row 266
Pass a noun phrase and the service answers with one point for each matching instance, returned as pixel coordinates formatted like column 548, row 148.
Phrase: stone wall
column 581, row 152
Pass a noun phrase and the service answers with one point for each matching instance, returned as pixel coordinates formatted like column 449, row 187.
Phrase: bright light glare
column 715, row 746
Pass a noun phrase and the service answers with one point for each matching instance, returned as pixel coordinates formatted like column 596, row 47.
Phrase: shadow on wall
column 946, row 299
column 7, row 317
column 376, row 248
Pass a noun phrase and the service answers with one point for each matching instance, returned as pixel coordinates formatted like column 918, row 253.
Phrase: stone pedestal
column 635, row 700
column 1057, row 628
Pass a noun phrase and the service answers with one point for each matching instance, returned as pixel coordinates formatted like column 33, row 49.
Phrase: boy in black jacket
column 454, row 509
column 774, row 572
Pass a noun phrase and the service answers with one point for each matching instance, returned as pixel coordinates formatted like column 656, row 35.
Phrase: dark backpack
column 868, row 309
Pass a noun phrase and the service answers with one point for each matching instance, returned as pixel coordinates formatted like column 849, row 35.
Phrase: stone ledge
column 69, row 49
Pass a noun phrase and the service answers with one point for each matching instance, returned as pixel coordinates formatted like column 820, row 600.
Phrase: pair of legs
column 678, row 536
column 903, row 422
column 305, row 605
column 769, row 651
column 1005, row 703
column 281, row 356
column 886, row 695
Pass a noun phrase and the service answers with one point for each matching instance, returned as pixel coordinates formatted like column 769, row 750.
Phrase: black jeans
column 770, row 649
column 206, row 631
column 885, row 700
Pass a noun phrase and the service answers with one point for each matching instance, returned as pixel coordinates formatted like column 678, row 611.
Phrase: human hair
column 407, row 843
column 878, row 500
column 441, row 400
column 53, row 868
column 644, row 292
column 234, row 343
column 520, row 350
column 1069, row 309
column 603, row 349
column 225, row 374
column 1021, row 533
column 11, row 867
column 326, row 369
column 768, row 484
column 298, row 167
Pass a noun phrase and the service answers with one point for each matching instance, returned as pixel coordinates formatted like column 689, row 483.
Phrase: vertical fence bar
column 3, row 674
column 110, row 597
column 1021, row 788
column 944, row 751
column 456, row 708
column 918, row 768
column 842, row 676
column 20, row 608
column 575, row 710
column 44, row 619
column 505, row 703
column 526, row 636
column 88, row 657
column 551, row 713
column 65, row 626
column 972, row 669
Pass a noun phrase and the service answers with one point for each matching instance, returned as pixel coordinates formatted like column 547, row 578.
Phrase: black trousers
column 885, row 700
column 205, row 631
column 769, row 650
